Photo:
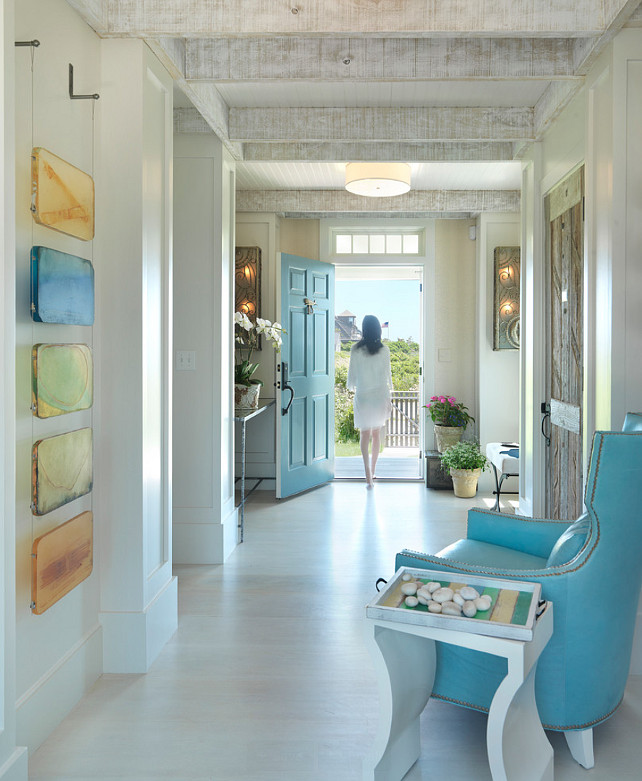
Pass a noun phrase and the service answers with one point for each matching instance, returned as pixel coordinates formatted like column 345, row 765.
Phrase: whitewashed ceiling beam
column 381, row 124
column 416, row 201
column 502, row 18
column 385, row 59
column 337, row 151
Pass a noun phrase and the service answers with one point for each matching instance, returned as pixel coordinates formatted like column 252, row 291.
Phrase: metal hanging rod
column 95, row 95
column 34, row 43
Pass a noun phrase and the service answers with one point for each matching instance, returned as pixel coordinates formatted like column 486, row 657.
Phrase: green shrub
column 464, row 455
column 344, row 430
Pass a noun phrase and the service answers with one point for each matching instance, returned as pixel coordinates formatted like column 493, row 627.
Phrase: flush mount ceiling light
column 378, row 180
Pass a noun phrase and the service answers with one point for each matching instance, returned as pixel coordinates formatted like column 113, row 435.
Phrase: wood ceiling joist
column 501, row 18
column 337, row 151
column 381, row 124
column 383, row 59
column 416, row 201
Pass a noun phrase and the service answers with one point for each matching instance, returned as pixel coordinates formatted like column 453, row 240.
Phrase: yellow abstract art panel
column 62, row 196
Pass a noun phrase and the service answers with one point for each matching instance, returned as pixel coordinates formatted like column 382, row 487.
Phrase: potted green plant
column 465, row 462
column 450, row 418
column 246, row 387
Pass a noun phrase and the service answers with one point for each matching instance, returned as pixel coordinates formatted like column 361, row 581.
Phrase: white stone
column 412, row 601
column 468, row 592
column 433, row 586
column 434, row 607
column 406, row 577
column 423, row 600
column 483, row 603
column 450, row 609
column 459, row 599
column 469, row 609
column 409, row 588
column 443, row 594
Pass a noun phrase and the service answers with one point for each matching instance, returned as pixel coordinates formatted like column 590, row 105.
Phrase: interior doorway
column 394, row 295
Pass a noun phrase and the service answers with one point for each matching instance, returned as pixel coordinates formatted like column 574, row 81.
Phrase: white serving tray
column 388, row 605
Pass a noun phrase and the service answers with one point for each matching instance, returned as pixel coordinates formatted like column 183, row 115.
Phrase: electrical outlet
column 185, row 361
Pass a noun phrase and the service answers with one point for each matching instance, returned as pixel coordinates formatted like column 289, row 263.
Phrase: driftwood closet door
column 565, row 375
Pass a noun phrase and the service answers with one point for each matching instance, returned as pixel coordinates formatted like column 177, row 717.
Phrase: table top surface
column 241, row 415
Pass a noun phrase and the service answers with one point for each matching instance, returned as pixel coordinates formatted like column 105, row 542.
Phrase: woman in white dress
column 369, row 376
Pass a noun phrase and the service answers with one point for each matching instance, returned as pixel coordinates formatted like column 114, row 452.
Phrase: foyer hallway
column 267, row 677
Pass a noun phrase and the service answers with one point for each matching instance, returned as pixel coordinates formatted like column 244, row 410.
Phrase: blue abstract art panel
column 62, row 288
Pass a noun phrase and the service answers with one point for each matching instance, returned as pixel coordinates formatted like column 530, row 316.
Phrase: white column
column 13, row 760
column 133, row 352
column 205, row 519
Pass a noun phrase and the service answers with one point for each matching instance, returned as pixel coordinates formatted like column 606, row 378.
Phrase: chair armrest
column 528, row 535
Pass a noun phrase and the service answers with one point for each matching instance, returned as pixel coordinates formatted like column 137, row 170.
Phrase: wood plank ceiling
column 295, row 89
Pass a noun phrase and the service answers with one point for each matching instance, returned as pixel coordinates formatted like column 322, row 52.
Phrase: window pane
column 377, row 245
column 360, row 244
column 411, row 245
column 393, row 244
column 344, row 245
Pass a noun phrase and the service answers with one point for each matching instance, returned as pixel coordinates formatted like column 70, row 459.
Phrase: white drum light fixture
column 378, row 180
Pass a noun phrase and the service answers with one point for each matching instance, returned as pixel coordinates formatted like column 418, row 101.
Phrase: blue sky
column 396, row 301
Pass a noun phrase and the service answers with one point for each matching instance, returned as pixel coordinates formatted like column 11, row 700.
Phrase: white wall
column 497, row 370
column 59, row 654
column 205, row 520
column 133, row 376
column 13, row 760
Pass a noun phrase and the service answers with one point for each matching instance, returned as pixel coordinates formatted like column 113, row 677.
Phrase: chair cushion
column 570, row 542
column 496, row 556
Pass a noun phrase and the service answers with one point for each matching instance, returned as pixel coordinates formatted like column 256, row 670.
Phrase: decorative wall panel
column 506, row 299
column 61, row 559
column 62, row 196
column 62, row 288
column 61, row 379
column 62, row 470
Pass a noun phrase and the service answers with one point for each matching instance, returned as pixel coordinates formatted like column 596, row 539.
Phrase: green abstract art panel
column 62, row 470
column 61, row 379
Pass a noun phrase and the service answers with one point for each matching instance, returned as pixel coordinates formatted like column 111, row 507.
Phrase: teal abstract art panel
column 62, row 288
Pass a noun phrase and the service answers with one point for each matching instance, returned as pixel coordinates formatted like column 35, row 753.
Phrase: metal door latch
column 309, row 302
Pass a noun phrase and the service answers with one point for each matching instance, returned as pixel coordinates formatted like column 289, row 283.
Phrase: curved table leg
column 405, row 667
column 518, row 749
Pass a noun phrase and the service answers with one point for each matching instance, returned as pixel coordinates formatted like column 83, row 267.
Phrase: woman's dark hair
column 371, row 335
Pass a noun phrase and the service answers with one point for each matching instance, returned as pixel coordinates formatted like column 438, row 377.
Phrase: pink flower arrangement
column 447, row 411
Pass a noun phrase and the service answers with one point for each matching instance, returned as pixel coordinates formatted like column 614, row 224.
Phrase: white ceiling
column 459, row 90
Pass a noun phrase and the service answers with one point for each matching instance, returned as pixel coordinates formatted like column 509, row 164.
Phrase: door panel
column 564, row 466
column 306, row 432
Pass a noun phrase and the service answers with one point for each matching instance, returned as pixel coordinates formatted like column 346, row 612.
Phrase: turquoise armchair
column 582, row 672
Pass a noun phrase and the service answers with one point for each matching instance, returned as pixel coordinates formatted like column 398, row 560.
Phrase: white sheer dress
column 369, row 376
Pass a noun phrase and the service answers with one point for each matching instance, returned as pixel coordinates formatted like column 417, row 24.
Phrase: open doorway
column 393, row 295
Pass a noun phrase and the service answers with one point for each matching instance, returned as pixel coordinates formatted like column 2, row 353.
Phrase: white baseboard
column 195, row 542
column 46, row 703
column 16, row 767
column 132, row 641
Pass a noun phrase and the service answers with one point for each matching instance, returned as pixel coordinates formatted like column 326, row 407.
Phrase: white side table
column 404, row 656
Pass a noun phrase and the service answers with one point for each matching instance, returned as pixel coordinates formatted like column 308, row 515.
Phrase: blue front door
column 305, row 417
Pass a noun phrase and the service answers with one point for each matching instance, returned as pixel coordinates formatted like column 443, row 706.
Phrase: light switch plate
column 185, row 361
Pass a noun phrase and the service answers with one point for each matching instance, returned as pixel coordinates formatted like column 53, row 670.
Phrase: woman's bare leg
column 376, row 438
column 364, row 441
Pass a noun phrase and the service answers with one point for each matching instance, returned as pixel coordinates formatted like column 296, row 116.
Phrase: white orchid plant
column 247, row 340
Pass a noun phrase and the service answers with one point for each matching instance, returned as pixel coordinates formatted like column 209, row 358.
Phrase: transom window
column 397, row 243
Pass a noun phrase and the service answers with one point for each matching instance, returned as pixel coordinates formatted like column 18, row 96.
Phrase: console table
column 405, row 659
column 242, row 416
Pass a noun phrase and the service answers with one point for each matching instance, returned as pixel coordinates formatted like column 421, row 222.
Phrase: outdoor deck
column 395, row 463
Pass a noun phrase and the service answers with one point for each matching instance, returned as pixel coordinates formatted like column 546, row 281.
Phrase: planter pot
column 465, row 482
column 447, row 436
column 246, row 397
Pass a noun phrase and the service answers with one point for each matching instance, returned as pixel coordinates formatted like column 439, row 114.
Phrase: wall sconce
column 247, row 281
column 506, row 299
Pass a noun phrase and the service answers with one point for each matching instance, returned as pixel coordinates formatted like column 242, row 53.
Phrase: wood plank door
column 305, row 419
column 565, row 358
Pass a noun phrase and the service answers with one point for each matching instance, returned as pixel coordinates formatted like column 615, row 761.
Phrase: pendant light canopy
column 378, row 180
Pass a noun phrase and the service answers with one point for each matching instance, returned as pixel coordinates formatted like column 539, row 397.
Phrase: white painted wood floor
column 267, row 678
